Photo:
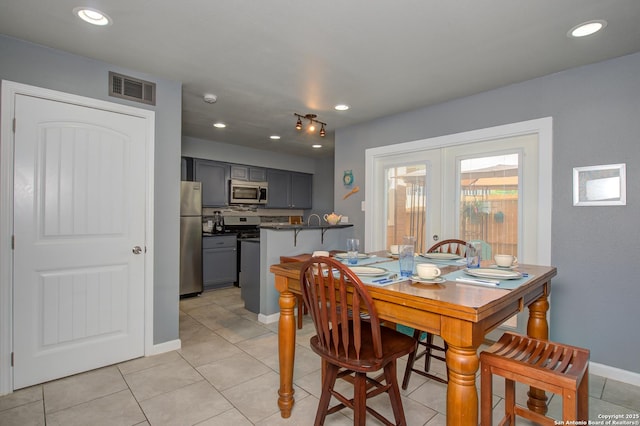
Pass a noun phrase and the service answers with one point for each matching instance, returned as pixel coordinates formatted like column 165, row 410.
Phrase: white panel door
column 79, row 211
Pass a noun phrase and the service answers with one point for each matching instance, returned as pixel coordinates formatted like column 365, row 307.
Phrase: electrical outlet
column 344, row 219
column 362, row 205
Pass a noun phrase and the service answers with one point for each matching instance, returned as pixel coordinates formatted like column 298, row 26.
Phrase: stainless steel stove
column 245, row 224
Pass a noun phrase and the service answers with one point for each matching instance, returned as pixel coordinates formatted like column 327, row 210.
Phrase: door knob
column 137, row 250
column 435, row 237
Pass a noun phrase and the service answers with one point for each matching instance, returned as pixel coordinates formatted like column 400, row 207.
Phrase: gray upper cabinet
column 301, row 187
column 257, row 174
column 248, row 173
column 279, row 189
column 215, row 182
column 186, row 169
column 289, row 190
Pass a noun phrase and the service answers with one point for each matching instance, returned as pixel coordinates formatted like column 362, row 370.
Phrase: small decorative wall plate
column 347, row 178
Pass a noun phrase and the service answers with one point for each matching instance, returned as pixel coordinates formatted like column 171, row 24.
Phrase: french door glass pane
column 489, row 200
column 406, row 204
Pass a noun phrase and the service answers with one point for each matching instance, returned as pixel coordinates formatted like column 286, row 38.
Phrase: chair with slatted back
column 452, row 246
column 425, row 340
column 351, row 344
column 545, row 365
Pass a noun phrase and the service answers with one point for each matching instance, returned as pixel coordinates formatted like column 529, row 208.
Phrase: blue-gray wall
column 596, row 112
column 596, row 120
column 35, row 65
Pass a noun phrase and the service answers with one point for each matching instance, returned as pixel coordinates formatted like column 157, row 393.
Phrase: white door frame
column 9, row 91
column 543, row 127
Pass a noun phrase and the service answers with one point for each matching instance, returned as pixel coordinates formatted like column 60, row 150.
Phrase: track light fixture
column 312, row 120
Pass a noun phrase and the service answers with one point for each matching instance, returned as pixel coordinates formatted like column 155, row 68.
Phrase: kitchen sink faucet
column 309, row 219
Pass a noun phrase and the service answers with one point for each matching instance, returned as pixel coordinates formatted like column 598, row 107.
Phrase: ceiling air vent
column 133, row 89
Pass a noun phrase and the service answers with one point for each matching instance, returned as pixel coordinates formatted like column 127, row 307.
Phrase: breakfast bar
column 462, row 314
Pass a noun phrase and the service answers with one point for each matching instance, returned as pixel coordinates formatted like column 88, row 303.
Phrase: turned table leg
column 462, row 395
column 286, row 352
column 538, row 328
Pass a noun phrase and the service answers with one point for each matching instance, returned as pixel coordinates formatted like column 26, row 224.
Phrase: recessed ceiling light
column 219, row 125
column 316, row 146
column 341, row 107
column 210, row 98
column 92, row 16
column 587, row 28
column 274, row 137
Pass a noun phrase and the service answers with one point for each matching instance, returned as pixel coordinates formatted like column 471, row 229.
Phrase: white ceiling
column 266, row 60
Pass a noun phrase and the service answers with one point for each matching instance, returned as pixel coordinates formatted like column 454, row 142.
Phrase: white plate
column 503, row 267
column 368, row 271
column 344, row 255
column 394, row 255
column 441, row 256
column 417, row 279
column 500, row 274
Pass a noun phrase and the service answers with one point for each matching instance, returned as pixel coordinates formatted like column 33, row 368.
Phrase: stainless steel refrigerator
column 190, row 238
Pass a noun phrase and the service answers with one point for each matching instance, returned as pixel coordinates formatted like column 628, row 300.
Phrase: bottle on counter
column 218, row 222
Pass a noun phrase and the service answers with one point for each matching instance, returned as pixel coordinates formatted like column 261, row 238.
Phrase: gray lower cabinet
column 250, row 274
column 219, row 261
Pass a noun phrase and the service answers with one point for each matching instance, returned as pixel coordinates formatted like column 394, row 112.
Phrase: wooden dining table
column 462, row 314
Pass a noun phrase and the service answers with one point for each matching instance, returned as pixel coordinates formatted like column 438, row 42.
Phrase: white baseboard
column 614, row 373
column 269, row 319
column 161, row 348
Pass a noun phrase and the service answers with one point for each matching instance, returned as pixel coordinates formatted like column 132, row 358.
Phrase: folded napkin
column 503, row 284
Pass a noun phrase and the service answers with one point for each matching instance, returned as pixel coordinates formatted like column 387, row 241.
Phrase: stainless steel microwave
column 242, row 192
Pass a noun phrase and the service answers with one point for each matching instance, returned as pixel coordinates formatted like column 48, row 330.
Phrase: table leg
column 462, row 395
column 538, row 328
column 286, row 352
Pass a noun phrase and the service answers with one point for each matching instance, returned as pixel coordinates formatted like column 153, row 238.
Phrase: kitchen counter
column 277, row 239
column 302, row 227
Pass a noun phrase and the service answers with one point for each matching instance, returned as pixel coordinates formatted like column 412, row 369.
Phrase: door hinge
column 12, row 359
column 14, row 124
column 13, row 242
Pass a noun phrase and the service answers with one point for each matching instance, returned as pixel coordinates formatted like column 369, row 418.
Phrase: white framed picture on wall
column 603, row 185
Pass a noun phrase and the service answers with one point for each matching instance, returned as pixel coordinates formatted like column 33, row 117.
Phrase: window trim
column 543, row 127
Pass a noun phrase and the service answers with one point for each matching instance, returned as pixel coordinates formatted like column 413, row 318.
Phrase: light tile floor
column 227, row 374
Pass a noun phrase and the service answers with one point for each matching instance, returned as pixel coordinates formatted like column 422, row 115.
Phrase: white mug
column 428, row 271
column 505, row 260
column 394, row 249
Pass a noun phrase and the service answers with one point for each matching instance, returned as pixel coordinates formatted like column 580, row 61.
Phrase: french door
column 485, row 189
column 412, row 192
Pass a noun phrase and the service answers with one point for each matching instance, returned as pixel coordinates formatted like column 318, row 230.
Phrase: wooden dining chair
column 351, row 343
column 453, row 246
column 297, row 258
column 425, row 339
